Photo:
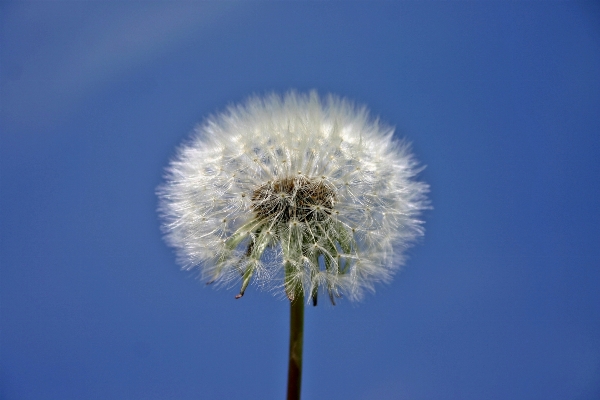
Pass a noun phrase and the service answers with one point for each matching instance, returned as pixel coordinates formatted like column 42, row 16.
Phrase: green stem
column 296, row 339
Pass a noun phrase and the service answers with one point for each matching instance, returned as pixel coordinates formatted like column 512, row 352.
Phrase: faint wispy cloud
column 54, row 53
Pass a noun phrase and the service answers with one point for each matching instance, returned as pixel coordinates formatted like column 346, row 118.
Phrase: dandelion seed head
column 293, row 193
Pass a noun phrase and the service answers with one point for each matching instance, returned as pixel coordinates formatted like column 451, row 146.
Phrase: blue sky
column 499, row 300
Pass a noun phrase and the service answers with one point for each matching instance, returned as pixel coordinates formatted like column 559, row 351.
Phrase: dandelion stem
column 296, row 340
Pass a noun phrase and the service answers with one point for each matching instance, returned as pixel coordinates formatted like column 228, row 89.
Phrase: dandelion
column 296, row 194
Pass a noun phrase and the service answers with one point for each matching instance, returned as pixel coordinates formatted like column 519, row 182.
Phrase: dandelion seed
column 296, row 194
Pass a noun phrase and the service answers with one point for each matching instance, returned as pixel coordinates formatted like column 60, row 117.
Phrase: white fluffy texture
column 206, row 201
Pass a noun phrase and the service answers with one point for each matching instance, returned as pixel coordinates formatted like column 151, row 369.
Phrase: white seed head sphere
column 293, row 193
